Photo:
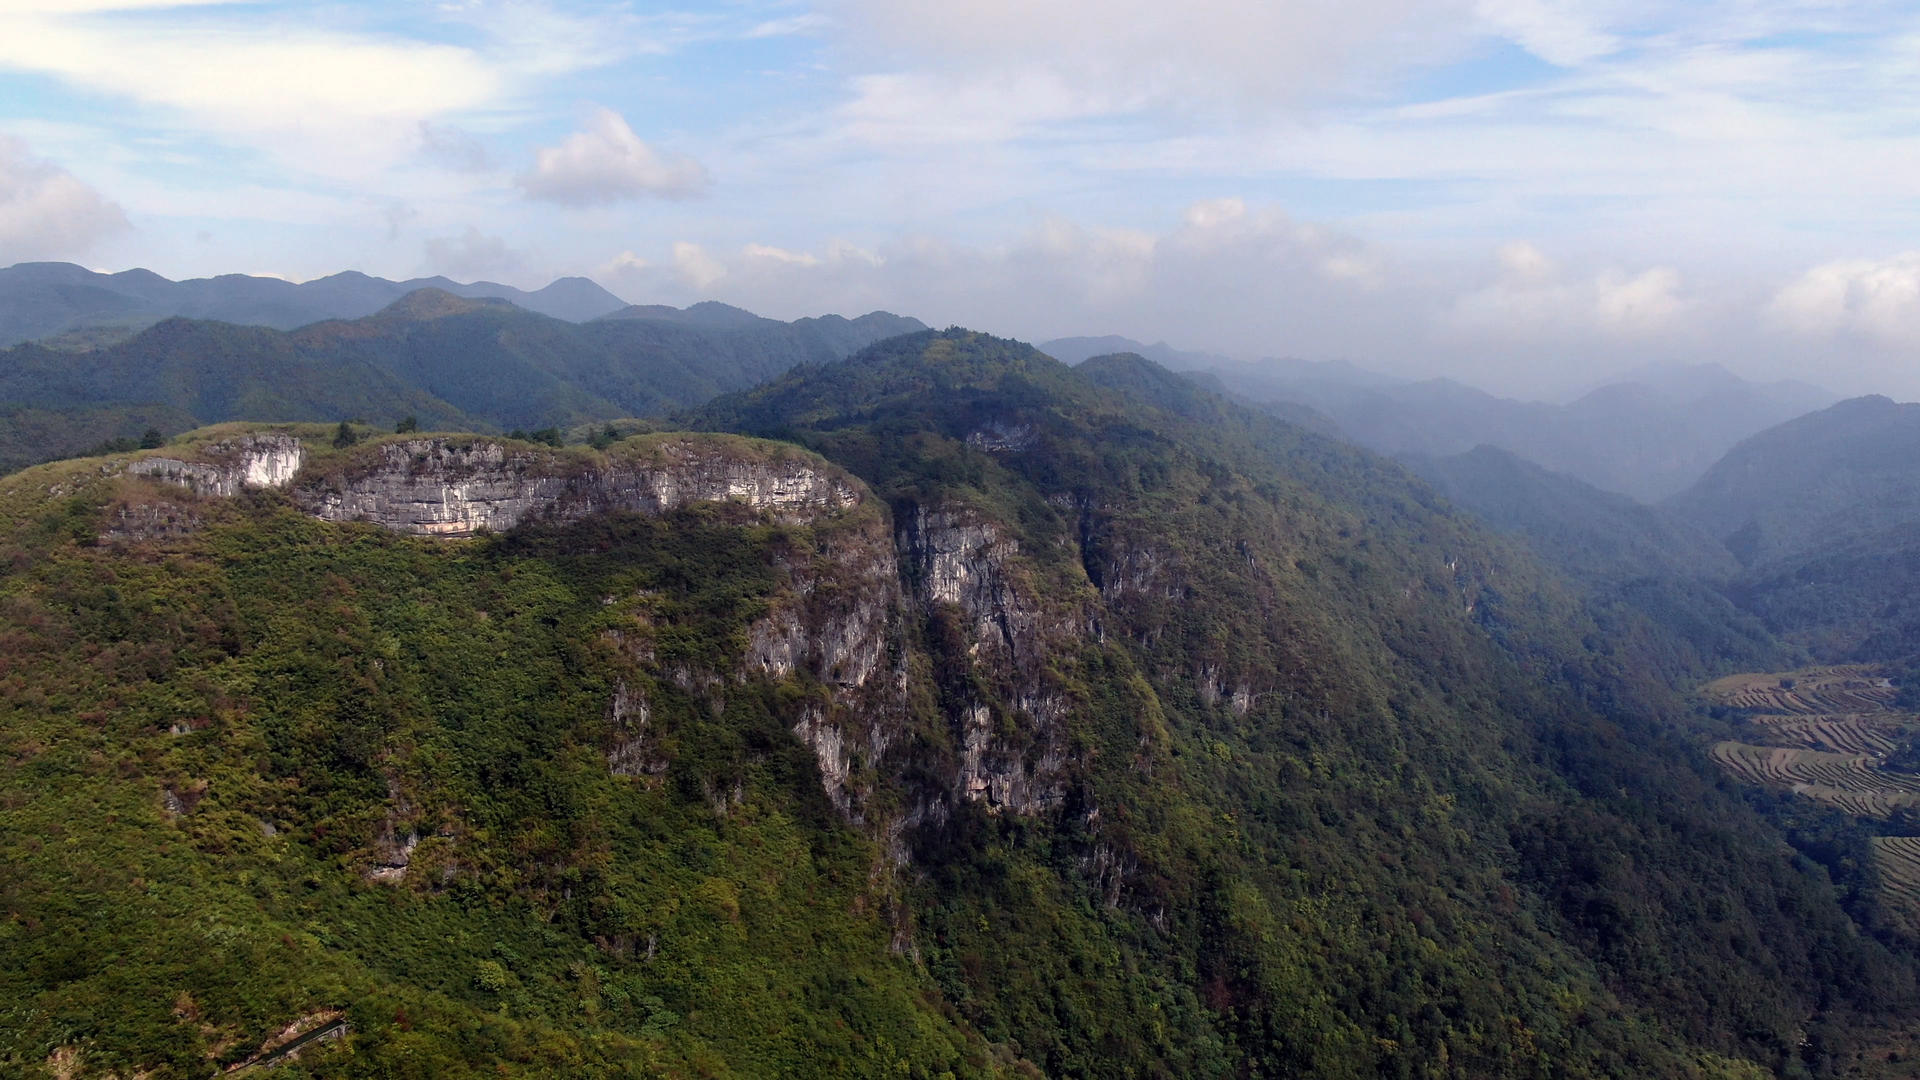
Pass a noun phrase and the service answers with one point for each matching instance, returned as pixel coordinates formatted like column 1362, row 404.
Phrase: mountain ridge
column 1077, row 721
column 1631, row 438
column 448, row 361
column 41, row 300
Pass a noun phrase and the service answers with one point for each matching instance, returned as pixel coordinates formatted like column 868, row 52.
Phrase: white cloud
column 805, row 23
column 780, row 255
column 249, row 74
column 46, row 212
column 608, row 163
column 1872, row 298
column 1238, row 52
column 452, row 147
column 533, row 38
column 1533, row 300
column 905, row 109
column 1226, row 275
column 696, row 265
column 89, row 7
column 624, row 263
column 1643, row 303
column 1562, row 32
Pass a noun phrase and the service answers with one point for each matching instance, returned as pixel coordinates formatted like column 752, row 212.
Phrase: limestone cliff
column 457, row 487
column 1008, row 715
column 842, row 621
column 229, row 466
column 856, row 592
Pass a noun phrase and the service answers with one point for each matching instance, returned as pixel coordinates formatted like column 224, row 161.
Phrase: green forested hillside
column 1098, row 728
column 1640, row 567
column 448, row 361
column 214, row 742
column 1378, row 636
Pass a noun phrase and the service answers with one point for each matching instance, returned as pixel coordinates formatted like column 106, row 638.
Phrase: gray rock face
column 438, row 487
column 1012, row 750
column 635, row 752
column 840, row 622
column 147, row 522
column 230, row 466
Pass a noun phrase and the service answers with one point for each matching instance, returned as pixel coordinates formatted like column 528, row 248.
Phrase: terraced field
column 1850, row 733
column 1899, row 860
column 1852, row 782
column 1824, row 733
column 1810, row 692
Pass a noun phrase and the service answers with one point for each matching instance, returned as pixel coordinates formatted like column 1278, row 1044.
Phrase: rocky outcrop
column 230, row 466
column 635, row 751
column 441, row 487
column 839, row 621
column 1011, row 748
column 149, row 521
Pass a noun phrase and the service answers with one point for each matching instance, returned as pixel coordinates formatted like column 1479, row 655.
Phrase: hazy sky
column 1529, row 194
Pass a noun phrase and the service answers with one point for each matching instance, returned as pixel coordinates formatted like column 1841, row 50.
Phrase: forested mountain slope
column 1843, row 472
column 450, row 362
column 1585, row 531
column 1327, row 608
column 1633, row 561
column 1824, row 513
column 1019, row 719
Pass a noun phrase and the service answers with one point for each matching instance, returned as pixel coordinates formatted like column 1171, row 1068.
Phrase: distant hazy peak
column 709, row 314
column 1678, row 384
column 42, row 300
column 434, row 303
column 1075, row 350
column 714, row 315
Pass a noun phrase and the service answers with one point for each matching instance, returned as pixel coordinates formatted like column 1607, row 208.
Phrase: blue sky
column 1524, row 193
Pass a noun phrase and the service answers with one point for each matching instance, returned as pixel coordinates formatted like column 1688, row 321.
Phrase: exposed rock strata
column 1011, row 749
column 149, row 521
column 230, row 466
column 840, row 621
column 438, row 487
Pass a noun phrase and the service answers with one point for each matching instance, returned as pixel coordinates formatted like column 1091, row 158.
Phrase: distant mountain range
column 1077, row 350
column 1739, row 516
column 1647, row 439
column 449, row 361
column 1589, row 533
column 1647, row 434
column 1809, row 530
column 1824, row 514
column 42, row 300
column 1838, row 474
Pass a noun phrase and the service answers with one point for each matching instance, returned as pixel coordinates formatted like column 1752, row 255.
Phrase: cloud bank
column 46, row 212
column 608, row 163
